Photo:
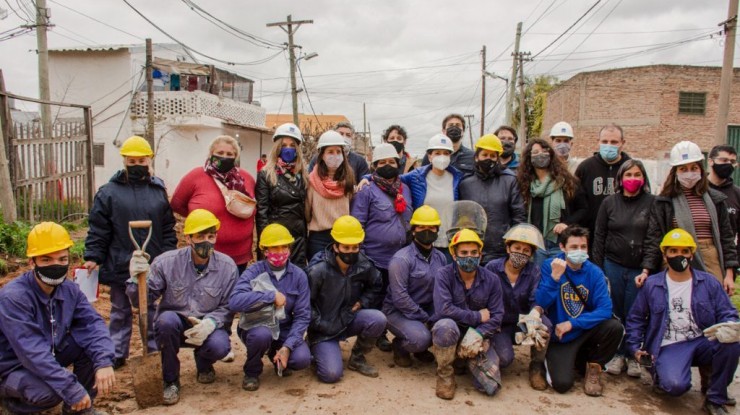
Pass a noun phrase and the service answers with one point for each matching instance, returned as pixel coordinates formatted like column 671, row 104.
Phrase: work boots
column 445, row 374
column 401, row 357
column 592, row 385
column 537, row 375
column 357, row 361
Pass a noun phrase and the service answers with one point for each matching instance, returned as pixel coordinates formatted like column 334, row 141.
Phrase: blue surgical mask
column 577, row 257
column 468, row 263
column 608, row 152
column 288, row 154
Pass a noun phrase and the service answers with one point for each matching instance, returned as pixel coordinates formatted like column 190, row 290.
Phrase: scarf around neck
column 553, row 204
column 394, row 189
column 326, row 188
column 231, row 179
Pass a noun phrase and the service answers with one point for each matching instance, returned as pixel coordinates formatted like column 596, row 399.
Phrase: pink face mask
column 632, row 185
column 277, row 260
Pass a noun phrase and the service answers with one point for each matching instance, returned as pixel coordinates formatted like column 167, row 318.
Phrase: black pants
column 597, row 345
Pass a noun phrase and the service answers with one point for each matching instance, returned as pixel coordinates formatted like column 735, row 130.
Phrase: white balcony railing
column 169, row 104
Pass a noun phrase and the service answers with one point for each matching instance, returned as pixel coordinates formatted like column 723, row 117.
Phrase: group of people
column 571, row 259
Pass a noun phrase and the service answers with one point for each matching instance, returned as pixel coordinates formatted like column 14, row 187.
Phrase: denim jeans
column 623, row 291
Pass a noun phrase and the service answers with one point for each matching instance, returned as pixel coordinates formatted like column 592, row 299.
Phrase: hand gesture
column 563, row 328
column 279, row 299
column 558, row 268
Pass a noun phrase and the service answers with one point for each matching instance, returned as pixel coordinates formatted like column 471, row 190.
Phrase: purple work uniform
column 184, row 292
column 40, row 335
column 409, row 304
column 293, row 284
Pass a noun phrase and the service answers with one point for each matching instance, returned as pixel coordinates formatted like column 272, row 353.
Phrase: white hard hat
column 331, row 138
column 384, row 151
column 685, row 152
column 288, row 130
column 561, row 129
column 440, row 142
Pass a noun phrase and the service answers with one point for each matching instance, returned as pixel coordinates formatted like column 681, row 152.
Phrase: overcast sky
column 411, row 62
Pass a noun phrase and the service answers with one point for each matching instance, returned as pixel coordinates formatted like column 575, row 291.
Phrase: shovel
column 146, row 369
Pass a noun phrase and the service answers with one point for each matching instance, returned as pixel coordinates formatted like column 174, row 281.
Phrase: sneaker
column 633, row 368
column 229, row 357
column 118, row 363
column 206, row 377
column 616, row 365
column 171, row 393
column 250, row 384
column 714, row 409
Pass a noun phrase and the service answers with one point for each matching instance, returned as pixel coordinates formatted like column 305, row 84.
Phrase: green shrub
column 13, row 238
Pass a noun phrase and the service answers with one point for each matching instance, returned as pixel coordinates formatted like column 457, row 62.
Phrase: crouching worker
column 47, row 324
column 523, row 321
column 192, row 285
column 409, row 304
column 270, row 288
column 665, row 324
column 574, row 294
column 468, row 309
column 344, row 284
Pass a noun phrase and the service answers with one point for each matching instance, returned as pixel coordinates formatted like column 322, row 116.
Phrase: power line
column 308, row 97
column 566, row 30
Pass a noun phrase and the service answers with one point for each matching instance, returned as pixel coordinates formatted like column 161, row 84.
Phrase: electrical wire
column 308, row 97
column 566, row 30
column 25, row 19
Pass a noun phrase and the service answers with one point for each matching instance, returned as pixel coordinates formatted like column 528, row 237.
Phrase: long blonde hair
column 272, row 157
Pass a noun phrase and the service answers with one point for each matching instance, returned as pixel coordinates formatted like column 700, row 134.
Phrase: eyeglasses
column 725, row 160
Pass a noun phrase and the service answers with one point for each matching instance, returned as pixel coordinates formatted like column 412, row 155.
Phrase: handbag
column 237, row 203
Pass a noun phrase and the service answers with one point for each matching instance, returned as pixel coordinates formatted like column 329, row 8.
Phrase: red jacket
column 198, row 190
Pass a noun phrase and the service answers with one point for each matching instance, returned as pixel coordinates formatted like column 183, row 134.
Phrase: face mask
column 399, row 146
column 137, row 172
column 632, row 185
column 518, row 259
column 223, row 164
column 608, row 152
column 349, row 258
column 288, row 154
column 387, row 172
column 508, row 149
column 678, row 263
column 541, row 161
column 454, row 133
column 426, row 237
column 488, row 167
column 333, row 161
column 468, row 263
column 689, row 179
column 577, row 257
column 723, row 171
column 52, row 275
column 203, row 249
column 441, row 162
column 277, row 260
column 563, row 149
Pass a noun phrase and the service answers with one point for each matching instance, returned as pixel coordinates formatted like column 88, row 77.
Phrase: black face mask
column 349, row 258
column 52, row 275
column 454, row 133
column 723, row 171
column 223, row 164
column 397, row 145
column 387, row 172
column 508, row 149
column 678, row 263
column 488, row 167
column 426, row 237
column 541, row 161
column 137, row 173
column 203, row 249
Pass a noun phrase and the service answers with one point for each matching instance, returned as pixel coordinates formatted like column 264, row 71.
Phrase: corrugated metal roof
column 110, row 48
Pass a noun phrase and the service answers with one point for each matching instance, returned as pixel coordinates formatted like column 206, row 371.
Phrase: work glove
column 139, row 264
column 727, row 332
column 471, row 345
column 200, row 331
column 530, row 321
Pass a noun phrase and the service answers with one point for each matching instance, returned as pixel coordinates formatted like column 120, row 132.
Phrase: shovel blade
column 148, row 384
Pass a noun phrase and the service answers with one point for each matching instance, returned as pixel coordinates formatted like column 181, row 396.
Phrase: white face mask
column 689, row 179
column 441, row 162
column 333, row 161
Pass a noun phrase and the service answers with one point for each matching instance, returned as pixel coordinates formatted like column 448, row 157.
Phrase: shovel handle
column 143, row 310
column 140, row 224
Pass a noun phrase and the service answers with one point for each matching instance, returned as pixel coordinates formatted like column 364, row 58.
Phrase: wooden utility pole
column 364, row 127
column 291, row 26
column 512, row 85
column 470, row 130
column 42, row 50
column 7, row 199
column 522, row 57
column 483, row 93
column 149, row 95
column 725, row 83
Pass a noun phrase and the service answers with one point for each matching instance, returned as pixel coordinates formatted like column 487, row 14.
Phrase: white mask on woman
column 441, row 162
column 333, row 161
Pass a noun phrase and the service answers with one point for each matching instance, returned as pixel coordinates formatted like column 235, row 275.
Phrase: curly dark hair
column 401, row 131
column 557, row 169
column 343, row 174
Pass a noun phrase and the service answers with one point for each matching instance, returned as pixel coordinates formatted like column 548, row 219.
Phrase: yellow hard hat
column 489, row 142
column 678, row 238
column 275, row 234
column 47, row 237
column 425, row 216
column 462, row 236
column 347, row 230
column 525, row 233
column 200, row 220
column 136, row 146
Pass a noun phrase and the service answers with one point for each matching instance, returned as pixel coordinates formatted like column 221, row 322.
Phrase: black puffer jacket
column 116, row 203
column 283, row 203
column 621, row 227
column 661, row 221
column 333, row 294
